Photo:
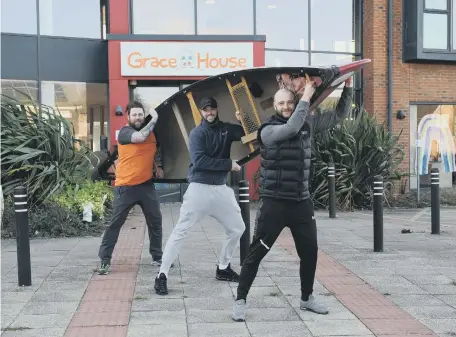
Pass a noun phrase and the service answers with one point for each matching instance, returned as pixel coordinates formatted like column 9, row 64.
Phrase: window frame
column 413, row 50
column 448, row 13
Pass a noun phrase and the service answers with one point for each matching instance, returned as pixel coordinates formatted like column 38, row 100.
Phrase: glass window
column 163, row 17
column 19, row 16
column 435, row 31
column 84, row 105
column 320, row 59
column 454, row 25
column 332, row 26
column 23, row 91
column 70, row 18
column 216, row 17
column 434, row 128
column 284, row 22
column 151, row 97
column 286, row 59
column 436, row 4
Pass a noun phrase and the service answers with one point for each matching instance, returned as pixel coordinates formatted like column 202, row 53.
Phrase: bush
column 75, row 197
column 49, row 219
column 360, row 148
column 39, row 151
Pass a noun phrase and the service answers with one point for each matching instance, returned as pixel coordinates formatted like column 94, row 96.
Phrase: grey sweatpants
column 200, row 200
column 125, row 197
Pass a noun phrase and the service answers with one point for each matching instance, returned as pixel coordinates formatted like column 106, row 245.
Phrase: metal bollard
column 435, row 201
column 332, row 190
column 104, row 144
column 378, row 214
column 24, row 271
column 244, row 204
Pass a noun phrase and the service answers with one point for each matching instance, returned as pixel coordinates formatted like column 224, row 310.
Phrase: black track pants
column 272, row 217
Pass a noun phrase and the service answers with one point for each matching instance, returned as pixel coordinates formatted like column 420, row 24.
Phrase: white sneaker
column 239, row 311
column 312, row 304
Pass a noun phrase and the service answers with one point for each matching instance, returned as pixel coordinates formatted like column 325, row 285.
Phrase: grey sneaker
column 314, row 305
column 239, row 311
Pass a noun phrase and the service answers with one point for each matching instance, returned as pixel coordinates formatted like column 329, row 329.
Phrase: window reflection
column 436, row 4
column 434, row 126
column 216, row 17
column 284, row 22
column 163, row 17
column 15, row 19
column 286, row 59
column 83, row 104
column 454, row 25
column 23, row 91
column 80, row 18
column 320, row 59
column 332, row 25
column 435, row 31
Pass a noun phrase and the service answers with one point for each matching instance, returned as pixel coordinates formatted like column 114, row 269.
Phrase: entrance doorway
column 152, row 94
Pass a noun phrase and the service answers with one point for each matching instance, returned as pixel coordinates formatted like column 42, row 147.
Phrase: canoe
column 250, row 91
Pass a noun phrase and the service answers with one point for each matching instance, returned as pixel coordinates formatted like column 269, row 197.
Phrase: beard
column 212, row 120
column 135, row 125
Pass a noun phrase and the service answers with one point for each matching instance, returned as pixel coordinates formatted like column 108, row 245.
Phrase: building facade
column 88, row 58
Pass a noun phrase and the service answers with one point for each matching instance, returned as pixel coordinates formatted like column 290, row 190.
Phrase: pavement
column 409, row 289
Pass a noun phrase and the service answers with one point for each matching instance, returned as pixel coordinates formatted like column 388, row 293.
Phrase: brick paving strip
column 105, row 308
column 378, row 313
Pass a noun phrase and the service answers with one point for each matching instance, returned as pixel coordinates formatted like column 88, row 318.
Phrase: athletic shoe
column 238, row 314
column 227, row 274
column 314, row 305
column 161, row 287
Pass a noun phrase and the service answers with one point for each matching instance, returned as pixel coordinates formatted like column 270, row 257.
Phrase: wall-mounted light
column 401, row 114
column 119, row 110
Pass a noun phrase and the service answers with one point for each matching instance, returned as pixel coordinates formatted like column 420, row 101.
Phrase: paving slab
column 407, row 290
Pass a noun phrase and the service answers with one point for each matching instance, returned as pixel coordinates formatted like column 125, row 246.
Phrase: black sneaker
column 161, row 287
column 227, row 274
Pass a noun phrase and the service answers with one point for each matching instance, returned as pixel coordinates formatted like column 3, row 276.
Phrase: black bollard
column 378, row 214
column 104, row 144
column 24, row 271
column 332, row 190
column 244, row 204
column 435, row 201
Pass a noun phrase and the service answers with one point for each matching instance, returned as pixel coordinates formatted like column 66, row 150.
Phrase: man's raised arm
column 329, row 119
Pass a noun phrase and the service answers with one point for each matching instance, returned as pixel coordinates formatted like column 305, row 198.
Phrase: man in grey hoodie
column 208, row 194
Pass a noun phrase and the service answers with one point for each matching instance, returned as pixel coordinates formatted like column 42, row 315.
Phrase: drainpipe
column 390, row 65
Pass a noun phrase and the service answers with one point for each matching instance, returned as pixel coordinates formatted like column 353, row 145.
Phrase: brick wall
column 411, row 82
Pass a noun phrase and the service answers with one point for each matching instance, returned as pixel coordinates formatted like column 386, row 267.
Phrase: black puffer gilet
column 285, row 166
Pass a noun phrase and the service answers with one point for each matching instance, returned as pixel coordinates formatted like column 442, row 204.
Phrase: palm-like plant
column 361, row 149
column 39, row 151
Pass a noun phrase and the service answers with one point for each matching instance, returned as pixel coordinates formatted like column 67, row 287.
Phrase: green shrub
column 39, row 151
column 49, row 219
column 361, row 149
column 75, row 197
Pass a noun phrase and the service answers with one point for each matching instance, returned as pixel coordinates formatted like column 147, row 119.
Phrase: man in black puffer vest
column 285, row 150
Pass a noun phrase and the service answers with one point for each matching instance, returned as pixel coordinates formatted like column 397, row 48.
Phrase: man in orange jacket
column 137, row 148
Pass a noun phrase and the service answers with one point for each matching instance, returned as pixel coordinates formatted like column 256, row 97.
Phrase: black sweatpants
column 272, row 217
column 125, row 197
